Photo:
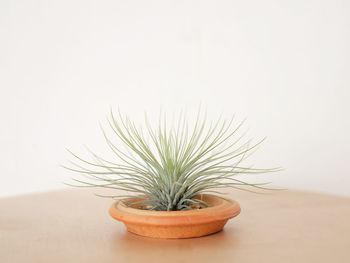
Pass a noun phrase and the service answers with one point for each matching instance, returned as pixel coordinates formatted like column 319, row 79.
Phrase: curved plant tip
column 170, row 165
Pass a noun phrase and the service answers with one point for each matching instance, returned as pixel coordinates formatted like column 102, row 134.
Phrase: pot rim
column 221, row 209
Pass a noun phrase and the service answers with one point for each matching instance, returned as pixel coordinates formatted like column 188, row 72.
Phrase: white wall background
column 285, row 65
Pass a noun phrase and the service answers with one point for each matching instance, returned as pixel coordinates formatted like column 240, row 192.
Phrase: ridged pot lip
column 221, row 209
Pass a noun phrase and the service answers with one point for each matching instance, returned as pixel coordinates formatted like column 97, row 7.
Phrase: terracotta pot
column 176, row 224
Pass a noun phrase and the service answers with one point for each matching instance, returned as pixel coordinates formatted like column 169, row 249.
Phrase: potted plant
column 172, row 175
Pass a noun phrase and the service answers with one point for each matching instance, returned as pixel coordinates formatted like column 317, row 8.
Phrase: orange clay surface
column 176, row 224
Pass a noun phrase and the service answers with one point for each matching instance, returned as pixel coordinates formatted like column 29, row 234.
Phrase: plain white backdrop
column 283, row 65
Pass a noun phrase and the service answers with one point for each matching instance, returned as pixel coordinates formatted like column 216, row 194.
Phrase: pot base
column 177, row 231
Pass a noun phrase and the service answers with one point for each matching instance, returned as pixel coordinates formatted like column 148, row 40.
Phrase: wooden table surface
column 74, row 226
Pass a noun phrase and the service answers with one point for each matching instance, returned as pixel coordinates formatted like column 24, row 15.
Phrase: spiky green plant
column 170, row 166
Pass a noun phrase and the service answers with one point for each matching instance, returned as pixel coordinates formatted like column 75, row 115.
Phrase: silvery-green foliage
column 170, row 165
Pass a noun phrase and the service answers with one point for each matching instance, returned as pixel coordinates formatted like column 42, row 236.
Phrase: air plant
column 169, row 167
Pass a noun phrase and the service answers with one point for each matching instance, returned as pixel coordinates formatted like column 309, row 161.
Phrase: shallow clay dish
column 176, row 224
